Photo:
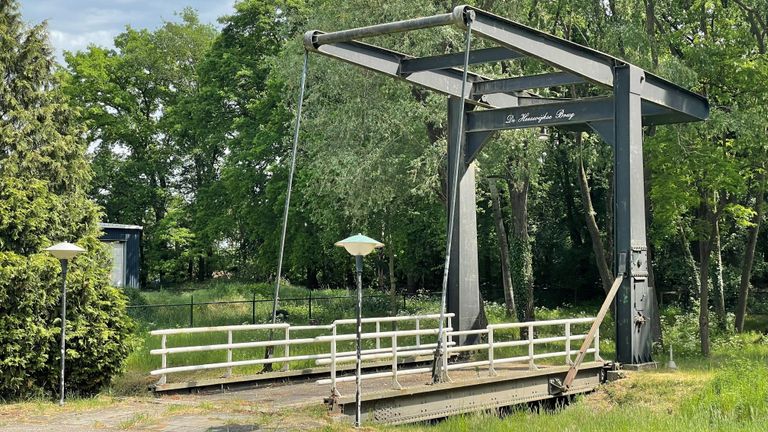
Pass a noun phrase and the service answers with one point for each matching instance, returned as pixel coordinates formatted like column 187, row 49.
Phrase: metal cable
column 439, row 373
column 288, row 200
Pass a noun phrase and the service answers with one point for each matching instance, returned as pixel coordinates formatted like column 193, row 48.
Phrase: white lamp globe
column 65, row 251
column 359, row 245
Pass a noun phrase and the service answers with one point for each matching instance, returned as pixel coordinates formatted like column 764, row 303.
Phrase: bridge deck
column 470, row 390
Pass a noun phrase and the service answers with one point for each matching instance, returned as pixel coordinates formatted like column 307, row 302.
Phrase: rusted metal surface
column 469, row 392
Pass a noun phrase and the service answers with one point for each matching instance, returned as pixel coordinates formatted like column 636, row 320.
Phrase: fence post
column 334, row 392
column 310, row 305
column 418, row 336
column 164, row 361
column 395, row 384
column 253, row 308
column 531, row 365
column 191, row 311
column 229, row 353
column 287, row 348
column 568, row 360
column 597, row 345
column 378, row 330
column 491, row 370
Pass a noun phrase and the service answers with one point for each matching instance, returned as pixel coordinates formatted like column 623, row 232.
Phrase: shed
column 125, row 243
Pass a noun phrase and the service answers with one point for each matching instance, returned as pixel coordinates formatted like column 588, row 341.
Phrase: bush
column 98, row 330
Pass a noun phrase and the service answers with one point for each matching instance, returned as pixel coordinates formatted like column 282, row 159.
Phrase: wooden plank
column 569, row 377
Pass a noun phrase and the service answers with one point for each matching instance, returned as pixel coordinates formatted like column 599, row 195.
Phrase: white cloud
column 75, row 24
column 65, row 41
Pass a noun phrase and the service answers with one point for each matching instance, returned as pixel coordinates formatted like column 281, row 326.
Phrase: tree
column 147, row 162
column 44, row 176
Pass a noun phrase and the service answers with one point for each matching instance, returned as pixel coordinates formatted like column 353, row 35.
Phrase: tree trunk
column 705, row 251
column 686, row 294
column 704, row 254
column 521, row 254
column 501, row 236
column 749, row 259
column 565, row 185
column 394, row 303
column 655, row 310
column 720, row 305
column 606, row 275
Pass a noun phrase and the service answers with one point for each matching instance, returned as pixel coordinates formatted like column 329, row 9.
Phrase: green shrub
column 44, row 174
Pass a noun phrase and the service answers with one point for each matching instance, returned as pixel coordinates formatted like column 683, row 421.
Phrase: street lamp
column 64, row 252
column 359, row 246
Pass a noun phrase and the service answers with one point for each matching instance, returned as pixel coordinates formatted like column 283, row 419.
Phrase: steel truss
column 487, row 105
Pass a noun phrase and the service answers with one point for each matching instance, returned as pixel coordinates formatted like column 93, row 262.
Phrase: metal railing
column 490, row 346
column 188, row 313
column 333, row 357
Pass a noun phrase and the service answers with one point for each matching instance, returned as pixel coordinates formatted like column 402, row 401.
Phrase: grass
column 728, row 392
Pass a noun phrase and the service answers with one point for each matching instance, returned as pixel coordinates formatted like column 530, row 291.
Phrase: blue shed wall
column 132, row 239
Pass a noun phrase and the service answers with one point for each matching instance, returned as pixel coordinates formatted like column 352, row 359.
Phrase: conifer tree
column 44, row 175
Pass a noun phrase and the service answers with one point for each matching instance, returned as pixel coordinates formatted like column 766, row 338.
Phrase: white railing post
column 164, row 360
column 229, row 353
column 418, row 337
column 334, row 391
column 444, row 342
column 491, row 370
column 568, row 360
column 597, row 345
column 286, row 364
column 378, row 330
column 531, row 365
column 450, row 325
column 395, row 384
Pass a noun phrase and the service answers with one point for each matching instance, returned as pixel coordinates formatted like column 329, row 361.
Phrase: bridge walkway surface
column 274, row 407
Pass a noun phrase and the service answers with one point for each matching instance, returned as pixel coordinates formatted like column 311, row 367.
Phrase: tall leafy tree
column 44, row 177
column 145, row 161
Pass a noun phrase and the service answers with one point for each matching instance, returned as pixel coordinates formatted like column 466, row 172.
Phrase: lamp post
column 359, row 246
column 64, row 252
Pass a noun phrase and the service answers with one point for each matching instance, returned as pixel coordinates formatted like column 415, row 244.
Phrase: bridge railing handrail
column 490, row 346
column 286, row 342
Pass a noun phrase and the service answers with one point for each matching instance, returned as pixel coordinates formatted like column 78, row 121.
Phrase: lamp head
column 65, row 251
column 543, row 134
column 359, row 245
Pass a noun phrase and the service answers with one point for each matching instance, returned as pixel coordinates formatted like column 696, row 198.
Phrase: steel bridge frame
column 638, row 99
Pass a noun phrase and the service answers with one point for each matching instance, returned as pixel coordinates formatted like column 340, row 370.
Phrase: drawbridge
column 480, row 367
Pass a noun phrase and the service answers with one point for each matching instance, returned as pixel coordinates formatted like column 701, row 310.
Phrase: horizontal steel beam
column 485, row 55
column 558, row 52
column 508, row 85
column 552, row 114
column 666, row 94
column 560, row 113
column 387, row 62
column 593, row 65
column 388, row 28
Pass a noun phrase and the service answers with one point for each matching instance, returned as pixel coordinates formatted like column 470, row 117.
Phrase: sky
column 75, row 24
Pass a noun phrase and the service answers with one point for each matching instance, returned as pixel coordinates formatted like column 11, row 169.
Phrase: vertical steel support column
column 633, row 335
column 463, row 281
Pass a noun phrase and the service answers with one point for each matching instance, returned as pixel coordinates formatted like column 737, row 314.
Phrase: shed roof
column 120, row 226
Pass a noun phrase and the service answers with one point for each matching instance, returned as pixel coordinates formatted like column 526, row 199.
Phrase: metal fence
column 189, row 314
